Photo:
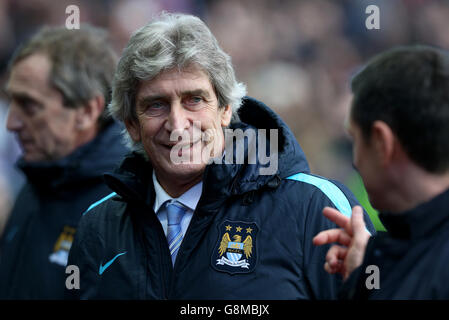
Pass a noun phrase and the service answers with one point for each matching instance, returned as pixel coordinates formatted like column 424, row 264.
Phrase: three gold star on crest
column 238, row 229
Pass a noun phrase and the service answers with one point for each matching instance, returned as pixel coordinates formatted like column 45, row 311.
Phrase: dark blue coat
column 40, row 230
column 122, row 252
column 412, row 257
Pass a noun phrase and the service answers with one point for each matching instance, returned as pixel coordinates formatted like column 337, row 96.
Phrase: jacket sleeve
column 83, row 255
column 321, row 284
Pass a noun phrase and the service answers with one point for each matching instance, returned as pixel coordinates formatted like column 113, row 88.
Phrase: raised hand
column 352, row 238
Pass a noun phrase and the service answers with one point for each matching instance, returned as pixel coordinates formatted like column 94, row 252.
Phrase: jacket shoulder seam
column 330, row 189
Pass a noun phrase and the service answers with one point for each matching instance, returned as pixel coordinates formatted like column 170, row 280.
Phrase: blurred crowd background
column 297, row 56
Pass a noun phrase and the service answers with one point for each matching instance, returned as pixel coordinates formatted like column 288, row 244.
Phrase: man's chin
column 39, row 156
column 32, row 157
column 185, row 171
column 187, row 168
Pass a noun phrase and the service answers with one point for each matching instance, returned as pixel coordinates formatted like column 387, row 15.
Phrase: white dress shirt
column 188, row 200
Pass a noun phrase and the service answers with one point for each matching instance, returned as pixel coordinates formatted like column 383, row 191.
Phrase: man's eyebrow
column 21, row 96
column 197, row 92
column 150, row 98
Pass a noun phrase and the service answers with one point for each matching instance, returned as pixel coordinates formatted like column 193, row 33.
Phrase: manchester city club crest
column 235, row 251
column 62, row 246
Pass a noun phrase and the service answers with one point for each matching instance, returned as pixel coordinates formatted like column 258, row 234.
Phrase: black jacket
column 40, row 230
column 122, row 252
column 412, row 257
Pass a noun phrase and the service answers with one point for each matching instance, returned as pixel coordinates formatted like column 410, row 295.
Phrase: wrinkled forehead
column 30, row 76
column 176, row 81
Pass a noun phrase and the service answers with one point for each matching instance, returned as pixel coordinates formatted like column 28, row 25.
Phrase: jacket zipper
column 162, row 248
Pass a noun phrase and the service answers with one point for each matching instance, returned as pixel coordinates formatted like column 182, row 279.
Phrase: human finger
column 337, row 217
column 334, row 254
column 358, row 226
column 336, row 268
column 331, row 236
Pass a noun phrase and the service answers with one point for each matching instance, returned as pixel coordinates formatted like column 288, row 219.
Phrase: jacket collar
column 291, row 157
column 89, row 161
column 131, row 180
column 419, row 221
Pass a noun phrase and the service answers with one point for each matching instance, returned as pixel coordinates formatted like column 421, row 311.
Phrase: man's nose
column 177, row 118
column 14, row 121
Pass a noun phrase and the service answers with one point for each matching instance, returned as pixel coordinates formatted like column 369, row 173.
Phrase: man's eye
column 155, row 108
column 28, row 106
column 156, row 104
column 192, row 101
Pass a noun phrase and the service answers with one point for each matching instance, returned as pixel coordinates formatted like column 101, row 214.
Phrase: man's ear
column 384, row 141
column 226, row 116
column 133, row 129
column 87, row 115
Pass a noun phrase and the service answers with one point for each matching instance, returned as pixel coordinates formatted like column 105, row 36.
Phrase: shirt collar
column 190, row 198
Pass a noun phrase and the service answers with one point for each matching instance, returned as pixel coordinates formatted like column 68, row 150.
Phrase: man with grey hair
column 191, row 217
column 59, row 84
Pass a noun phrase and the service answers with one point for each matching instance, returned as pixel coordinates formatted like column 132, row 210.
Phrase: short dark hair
column 408, row 88
column 83, row 63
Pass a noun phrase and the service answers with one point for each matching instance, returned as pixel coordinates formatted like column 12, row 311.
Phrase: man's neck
column 177, row 188
column 417, row 187
column 86, row 136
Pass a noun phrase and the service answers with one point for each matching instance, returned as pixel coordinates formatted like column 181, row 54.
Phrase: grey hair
column 83, row 63
column 171, row 41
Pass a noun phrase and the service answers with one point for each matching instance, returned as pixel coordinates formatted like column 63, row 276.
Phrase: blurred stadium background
column 297, row 56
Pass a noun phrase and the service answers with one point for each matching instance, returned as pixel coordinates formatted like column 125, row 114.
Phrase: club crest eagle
column 247, row 244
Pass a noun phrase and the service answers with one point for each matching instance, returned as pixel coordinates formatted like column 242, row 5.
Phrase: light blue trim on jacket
column 99, row 201
column 334, row 193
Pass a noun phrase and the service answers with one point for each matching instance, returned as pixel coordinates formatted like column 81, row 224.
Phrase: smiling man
column 173, row 102
column 59, row 85
column 204, row 227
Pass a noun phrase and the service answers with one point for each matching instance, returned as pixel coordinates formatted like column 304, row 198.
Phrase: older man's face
column 45, row 128
column 174, row 104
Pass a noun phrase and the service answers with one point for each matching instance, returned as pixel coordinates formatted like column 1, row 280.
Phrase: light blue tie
column 174, row 232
